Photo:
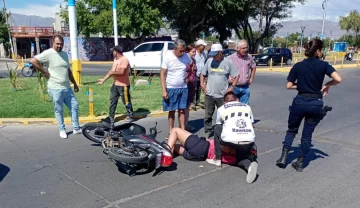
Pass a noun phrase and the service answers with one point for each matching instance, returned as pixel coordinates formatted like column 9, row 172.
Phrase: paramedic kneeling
column 234, row 128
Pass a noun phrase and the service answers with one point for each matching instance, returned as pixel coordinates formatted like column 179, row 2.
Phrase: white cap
column 200, row 42
column 215, row 48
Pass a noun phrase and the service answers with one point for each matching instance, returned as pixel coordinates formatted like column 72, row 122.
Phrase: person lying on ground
column 195, row 148
column 234, row 128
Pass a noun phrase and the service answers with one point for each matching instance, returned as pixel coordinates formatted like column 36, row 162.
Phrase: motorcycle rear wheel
column 91, row 127
column 118, row 155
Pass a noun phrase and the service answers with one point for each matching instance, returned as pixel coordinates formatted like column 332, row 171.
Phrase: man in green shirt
column 59, row 76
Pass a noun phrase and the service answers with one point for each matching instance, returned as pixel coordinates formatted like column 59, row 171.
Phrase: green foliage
column 4, row 32
column 191, row 17
column 351, row 22
column 351, row 39
column 13, row 77
column 135, row 17
column 42, row 87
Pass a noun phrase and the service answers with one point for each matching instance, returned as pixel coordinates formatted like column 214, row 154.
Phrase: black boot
column 281, row 162
column 299, row 164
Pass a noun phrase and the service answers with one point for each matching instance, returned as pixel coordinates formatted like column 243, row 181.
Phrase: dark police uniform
column 308, row 104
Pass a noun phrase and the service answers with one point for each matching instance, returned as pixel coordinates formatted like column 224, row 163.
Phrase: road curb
column 82, row 120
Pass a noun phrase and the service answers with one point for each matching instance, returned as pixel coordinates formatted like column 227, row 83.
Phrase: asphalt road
column 38, row 169
column 102, row 69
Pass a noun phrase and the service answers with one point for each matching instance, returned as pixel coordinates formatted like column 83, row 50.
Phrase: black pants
column 115, row 93
column 197, row 91
column 310, row 109
column 210, row 103
column 244, row 154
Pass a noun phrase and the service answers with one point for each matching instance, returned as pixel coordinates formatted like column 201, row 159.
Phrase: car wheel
column 288, row 62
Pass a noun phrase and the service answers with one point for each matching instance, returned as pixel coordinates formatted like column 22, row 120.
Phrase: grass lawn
column 26, row 103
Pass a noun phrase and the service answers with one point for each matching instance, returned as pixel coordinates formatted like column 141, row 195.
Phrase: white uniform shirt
column 237, row 120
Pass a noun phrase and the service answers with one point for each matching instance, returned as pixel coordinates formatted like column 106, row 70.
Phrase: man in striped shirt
column 246, row 67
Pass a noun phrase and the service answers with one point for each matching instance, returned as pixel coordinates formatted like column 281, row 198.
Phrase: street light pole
column 76, row 64
column 302, row 35
column 323, row 24
column 115, row 22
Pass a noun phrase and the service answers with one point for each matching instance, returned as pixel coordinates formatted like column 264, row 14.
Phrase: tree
column 191, row 17
column 136, row 18
column 351, row 22
column 4, row 32
column 266, row 11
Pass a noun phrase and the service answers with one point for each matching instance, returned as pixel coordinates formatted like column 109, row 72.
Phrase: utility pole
column 302, row 35
column 7, row 24
column 115, row 22
column 324, row 15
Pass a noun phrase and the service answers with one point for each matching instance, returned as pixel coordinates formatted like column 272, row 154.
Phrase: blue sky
column 310, row 10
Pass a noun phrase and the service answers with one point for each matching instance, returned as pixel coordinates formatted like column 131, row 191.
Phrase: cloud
column 38, row 9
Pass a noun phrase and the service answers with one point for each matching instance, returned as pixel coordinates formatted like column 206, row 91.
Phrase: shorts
column 177, row 99
column 196, row 148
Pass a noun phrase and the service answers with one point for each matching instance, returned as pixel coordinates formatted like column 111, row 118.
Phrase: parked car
column 149, row 55
column 275, row 54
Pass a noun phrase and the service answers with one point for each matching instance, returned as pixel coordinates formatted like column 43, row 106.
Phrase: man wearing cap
column 219, row 69
column 200, row 58
column 246, row 67
column 120, row 72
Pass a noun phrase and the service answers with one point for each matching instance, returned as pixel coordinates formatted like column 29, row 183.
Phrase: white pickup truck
column 148, row 56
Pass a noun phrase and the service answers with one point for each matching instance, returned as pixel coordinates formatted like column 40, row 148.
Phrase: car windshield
column 269, row 51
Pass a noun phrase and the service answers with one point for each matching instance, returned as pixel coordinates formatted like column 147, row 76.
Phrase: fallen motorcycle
column 129, row 146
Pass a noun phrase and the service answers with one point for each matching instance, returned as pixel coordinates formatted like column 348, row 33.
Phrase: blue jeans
column 310, row 109
column 242, row 93
column 67, row 97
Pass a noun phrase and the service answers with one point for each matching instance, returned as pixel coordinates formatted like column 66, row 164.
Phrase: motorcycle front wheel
column 95, row 132
column 119, row 155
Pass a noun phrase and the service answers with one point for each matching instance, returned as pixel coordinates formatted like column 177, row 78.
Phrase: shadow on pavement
column 313, row 155
column 134, row 171
column 4, row 170
column 197, row 124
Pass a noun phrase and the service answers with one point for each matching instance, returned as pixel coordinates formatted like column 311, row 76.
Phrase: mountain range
column 312, row 27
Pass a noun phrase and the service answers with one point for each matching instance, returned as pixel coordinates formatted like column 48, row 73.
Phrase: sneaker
column 129, row 120
column 167, row 137
column 63, row 134
column 77, row 131
column 252, row 172
column 217, row 163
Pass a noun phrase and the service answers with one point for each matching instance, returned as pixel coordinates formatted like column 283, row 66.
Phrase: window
column 171, row 46
column 142, row 48
column 156, row 47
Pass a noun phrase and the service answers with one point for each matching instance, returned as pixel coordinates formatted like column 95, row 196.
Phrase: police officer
column 307, row 78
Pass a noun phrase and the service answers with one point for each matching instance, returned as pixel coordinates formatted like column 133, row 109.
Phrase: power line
column 354, row 1
column 336, row 10
column 338, row 6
